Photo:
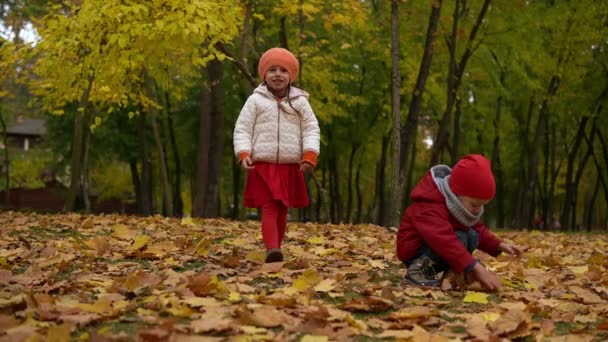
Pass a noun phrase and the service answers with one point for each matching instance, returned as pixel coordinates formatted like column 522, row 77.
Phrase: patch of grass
column 459, row 329
column 19, row 269
column 267, row 283
column 366, row 315
column 144, row 263
column 564, row 328
column 129, row 323
column 195, row 265
column 40, row 233
column 65, row 274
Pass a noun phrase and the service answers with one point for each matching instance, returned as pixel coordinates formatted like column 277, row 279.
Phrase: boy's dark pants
column 469, row 238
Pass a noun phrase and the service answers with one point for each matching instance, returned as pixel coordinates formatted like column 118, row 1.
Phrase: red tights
column 274, row 224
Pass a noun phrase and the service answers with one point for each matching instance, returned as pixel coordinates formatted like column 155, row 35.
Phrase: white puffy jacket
column 271, row 131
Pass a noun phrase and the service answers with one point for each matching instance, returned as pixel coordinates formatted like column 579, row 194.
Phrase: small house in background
column 26, row 133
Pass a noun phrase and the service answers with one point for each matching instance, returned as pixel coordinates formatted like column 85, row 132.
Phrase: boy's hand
column 486, row 278
column 511, row 249
column 246, row 163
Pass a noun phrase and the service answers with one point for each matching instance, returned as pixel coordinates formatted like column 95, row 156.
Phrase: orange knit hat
column 281, row 57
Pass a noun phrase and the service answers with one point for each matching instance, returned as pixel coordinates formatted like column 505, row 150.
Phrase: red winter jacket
column 427, row 220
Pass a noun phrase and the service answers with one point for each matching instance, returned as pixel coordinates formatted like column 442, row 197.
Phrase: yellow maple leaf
column 579, row 269
column 476, row 297
column 317, row 240
column 202, row 247
column 309, row 278
column 140, row 242
column 325, row 285
column 314, row 338
column 120, row 231
column 234, row 297
column 196, row 302
column 490, row 316
column 256, row 256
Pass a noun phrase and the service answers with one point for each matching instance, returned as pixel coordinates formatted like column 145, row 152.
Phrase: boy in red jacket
column 442, row 227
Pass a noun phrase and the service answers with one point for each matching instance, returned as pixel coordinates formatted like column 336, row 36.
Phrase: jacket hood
column 427, row 189
column 293, row 92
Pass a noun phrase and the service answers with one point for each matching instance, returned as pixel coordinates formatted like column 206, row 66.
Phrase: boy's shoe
column 422, row 273
column 274, row 255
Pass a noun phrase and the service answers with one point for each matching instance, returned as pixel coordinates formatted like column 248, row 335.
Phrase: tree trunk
column 7, row 166
column 381, row 183
column 410, row 174
column 454, row 156
column 533, row 151
column 409, row 132
column 178, row 204
column 496, row 161
column 85, row 167
column 236, row 190
column 579, row 174
column 397, row 176
column 569, row 199
column 589, row 204
column 554, row 173
column 147, row 203
column 210, row 145
column 283, row 33
column 455, row 73
column 167, row 192
column 359, row 195
column 76, row 161
column 136, row 185
column 349, row 200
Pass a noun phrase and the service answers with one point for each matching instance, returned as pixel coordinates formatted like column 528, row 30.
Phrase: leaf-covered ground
column 76, row 277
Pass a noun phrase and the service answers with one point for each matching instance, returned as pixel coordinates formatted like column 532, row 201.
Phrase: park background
column 129, row 106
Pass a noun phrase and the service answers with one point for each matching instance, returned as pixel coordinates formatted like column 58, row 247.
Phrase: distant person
column 276, row 139
column 442, row 227
column 538, row 222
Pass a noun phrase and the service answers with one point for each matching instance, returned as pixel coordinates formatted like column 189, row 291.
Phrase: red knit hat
column 472, row 176
column 281, row 57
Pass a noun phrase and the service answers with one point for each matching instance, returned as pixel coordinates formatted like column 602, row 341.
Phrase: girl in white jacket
column 276, row 139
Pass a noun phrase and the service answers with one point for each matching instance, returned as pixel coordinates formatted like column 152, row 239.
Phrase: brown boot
column 274, row 255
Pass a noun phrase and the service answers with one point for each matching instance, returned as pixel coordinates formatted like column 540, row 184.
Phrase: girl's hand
column 246, row 163
column 511, row 249
column 487, row 279
column 306, row 167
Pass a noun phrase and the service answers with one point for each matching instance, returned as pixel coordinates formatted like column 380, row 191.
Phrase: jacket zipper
column 278, row 128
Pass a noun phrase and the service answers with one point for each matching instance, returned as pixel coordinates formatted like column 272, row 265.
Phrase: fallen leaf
column 476, row 297
column 325, row 285
column 476, row 327
column 508, row 322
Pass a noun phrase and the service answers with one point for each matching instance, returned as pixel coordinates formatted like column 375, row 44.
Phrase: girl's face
column 472, row 204
column 277, row 80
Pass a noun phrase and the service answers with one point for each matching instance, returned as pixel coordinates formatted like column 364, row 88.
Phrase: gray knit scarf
column 441, row 176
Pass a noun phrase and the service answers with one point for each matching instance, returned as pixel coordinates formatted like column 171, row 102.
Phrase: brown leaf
column 59, row 333
column 211, row 325
column 7, row 322
column 476, row 327
column 368, row 304
column 265, row 316
column 413, row 312
column 586, row 296
column 508, row 322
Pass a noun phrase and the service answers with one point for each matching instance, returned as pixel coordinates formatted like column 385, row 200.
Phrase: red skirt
column 269, row 182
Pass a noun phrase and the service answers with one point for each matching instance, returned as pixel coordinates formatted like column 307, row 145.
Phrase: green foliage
column 27, row 169
column 111, row 179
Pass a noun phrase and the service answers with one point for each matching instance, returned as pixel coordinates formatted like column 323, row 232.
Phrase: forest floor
column 104, row 278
